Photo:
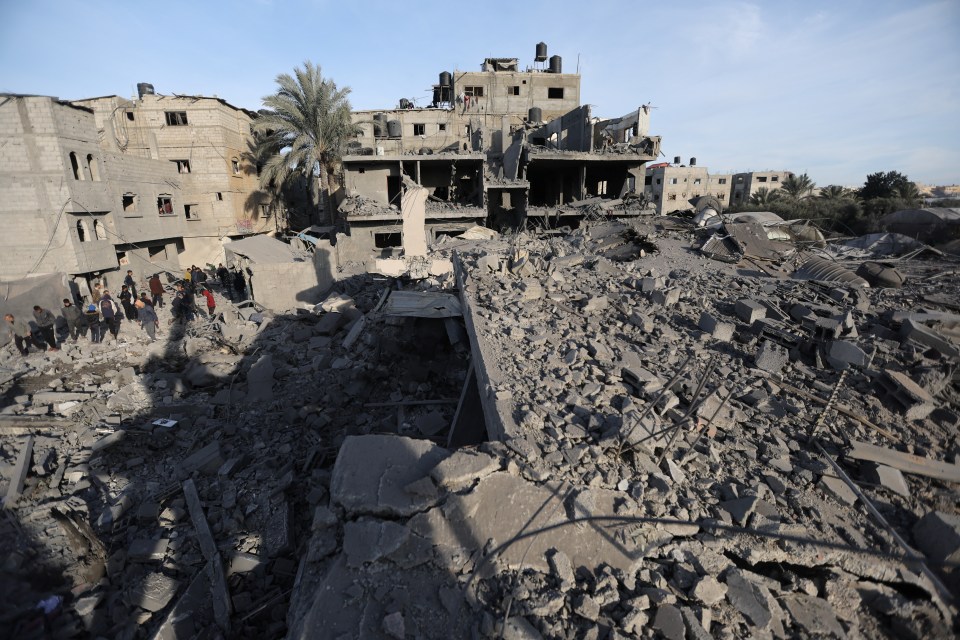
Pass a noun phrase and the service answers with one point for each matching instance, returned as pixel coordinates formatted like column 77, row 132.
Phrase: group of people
column 103, row 315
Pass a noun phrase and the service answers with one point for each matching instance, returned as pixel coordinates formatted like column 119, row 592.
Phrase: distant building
column 671, row 187
column 208, row 143
column 495, row 147
column 70, row 206
column 747, row 184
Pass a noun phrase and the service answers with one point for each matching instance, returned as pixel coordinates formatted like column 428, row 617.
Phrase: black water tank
column 676, row 159
column 394, row 129
column 535, row 114
column 145, row 89
column 541, row 52
column 693, row 162
column 446, row 79
column 556, row 64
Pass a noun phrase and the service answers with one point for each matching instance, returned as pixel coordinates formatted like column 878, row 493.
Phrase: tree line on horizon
column 840, row 209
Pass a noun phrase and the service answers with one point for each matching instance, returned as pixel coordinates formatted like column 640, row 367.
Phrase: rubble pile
column 675, row 446
column 169, row 487
column 358, row 205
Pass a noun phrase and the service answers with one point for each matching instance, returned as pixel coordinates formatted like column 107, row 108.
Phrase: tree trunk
column 325, row 194
column 315, row 199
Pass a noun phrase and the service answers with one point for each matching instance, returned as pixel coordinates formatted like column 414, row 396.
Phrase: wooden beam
column 905, row 461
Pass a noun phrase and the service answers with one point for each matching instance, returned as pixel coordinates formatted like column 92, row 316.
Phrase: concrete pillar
column 414, row 213
column 583, row 183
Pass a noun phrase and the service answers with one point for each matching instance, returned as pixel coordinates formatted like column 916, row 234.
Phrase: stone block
column 147, row 550
column 749, row 311
column 153, row 592
column 771, row 357
column 722, row 331
column 937, row 534
column 207, row 460
column 665, row 297
column 888, row 477
column 843, row 353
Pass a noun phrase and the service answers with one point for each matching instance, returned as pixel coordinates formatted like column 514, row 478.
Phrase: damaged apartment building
column 502, row 146
column 670, row 188
column 91, row 188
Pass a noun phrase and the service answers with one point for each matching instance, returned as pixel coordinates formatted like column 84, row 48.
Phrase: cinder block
column 750, row 311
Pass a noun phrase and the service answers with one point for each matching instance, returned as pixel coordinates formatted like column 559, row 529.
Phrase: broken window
column 236, row 166
column 555, row 93
column 98, row 231
column 264, row 210
column 476, row 92
column 722, row 181
column 165, row 205
column 129, row 201
column 442, row 126
column 761, row 178
column 514, row 90
column 219, row 196
column 419, row 129
column 75, row 165
column 130, row 116
column 387, row 240
column 696, row 181
column 82, row 230
column 183, row 166
column 176, row 118
column 190, row 212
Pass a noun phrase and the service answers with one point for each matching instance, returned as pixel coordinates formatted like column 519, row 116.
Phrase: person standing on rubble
column 131, row 283
column 111, row 314
column 211, row 301
column 92, row 317
column 46, row 322
column 22, row 334
column 223, row 275
column 74, row 319
column 97, row 293
column 126, row 299
column 148, row 319
column 239, row 286
column 156, row 290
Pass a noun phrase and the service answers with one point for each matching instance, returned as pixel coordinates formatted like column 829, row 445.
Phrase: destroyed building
column 209, row 143
column 73, row 207
column 498, row 146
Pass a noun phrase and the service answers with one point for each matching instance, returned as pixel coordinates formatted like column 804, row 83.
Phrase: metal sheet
column 422, row 304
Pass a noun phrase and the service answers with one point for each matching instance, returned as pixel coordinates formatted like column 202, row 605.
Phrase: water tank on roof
column 394, row 129
column 693, row 162
column 676, row 159
column 145, row 89
column 541, row 52
column 535, row 114
column 556, row 64
column 446, row 79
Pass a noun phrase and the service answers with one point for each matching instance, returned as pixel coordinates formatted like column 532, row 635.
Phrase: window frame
column 176, row 118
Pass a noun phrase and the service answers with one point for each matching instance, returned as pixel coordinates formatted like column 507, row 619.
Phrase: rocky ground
column 683, row 448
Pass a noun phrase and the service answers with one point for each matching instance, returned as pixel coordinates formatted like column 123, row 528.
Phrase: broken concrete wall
column 572, row 131
column 285, row 286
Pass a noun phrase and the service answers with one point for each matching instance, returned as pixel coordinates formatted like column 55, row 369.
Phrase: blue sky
column 837, row 89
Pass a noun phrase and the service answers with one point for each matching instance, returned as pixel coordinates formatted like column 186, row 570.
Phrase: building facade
column 746, row 184
column 71, row 207
column 208, row 143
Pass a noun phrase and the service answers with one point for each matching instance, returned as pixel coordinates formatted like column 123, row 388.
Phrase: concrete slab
column 371, row 473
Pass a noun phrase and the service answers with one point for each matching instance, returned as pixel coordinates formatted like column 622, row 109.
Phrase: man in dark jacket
column 126, row 299
column 110, row 313
column 46, row 322
column 131, row 284
column 76, row 326
column 156, row 290
column 92, row 317
column 239, row 286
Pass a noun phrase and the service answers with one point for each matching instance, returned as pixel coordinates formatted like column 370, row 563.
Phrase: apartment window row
column 85, row 234
column 130, row 204
column 84, row 168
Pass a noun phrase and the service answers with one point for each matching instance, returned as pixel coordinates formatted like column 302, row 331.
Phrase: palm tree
column 764, row 196
column 302, row 131
column 798, row 187
column 908, row 191
column 835, row 192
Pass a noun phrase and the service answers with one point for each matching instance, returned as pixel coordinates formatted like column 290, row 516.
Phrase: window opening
column 236, row 166
column 129, row 202
column 176, row 118
column 165, row 205
column 419, row 129
column 183, row 166
column 75, row 165
column 387, row 240
column 514, row 90
column 555, row 93
column 190, row 212
column 82, row 230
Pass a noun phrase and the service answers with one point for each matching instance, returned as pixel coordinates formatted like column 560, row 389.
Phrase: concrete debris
column 639, row 429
